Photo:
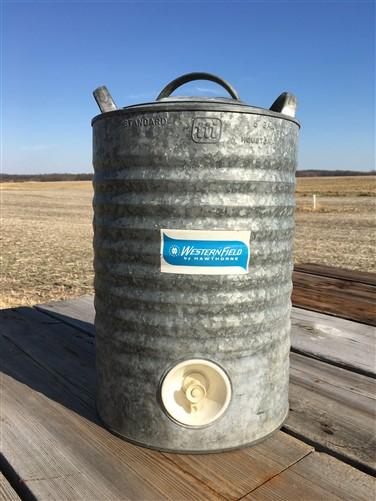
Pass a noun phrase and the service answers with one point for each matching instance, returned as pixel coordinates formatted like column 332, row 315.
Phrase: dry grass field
column 46, row 235
column 46, row 242
column 349, row 186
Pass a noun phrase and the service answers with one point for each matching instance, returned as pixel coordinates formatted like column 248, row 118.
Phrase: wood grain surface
column 337, row 296
column 51, row 434
column 316, row 387
column 334, row 409
column 79, row 312
column 335, row 340
column 7, row 493
column 49, row 385
column 362, row 277
column 342, row 293
column 53, row 439
column 314, row 334
column 317, row 477
column 233, row 474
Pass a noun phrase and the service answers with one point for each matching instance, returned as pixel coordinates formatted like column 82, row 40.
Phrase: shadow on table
column 50, row 357
column 82, row 325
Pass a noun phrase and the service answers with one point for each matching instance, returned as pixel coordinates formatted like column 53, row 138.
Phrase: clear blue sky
column 55, row 53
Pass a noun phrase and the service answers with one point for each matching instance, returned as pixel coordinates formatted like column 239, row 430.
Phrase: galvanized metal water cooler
column 193, row 235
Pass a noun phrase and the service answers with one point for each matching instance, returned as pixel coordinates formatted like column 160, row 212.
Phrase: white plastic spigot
column 196, row 392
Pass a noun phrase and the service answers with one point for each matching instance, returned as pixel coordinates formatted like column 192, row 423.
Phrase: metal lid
column 283, row 107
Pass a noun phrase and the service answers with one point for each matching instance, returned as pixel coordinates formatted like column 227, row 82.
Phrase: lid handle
column 190, row 77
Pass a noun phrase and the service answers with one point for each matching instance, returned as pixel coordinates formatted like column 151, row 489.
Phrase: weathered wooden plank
column 343, row 298
column 344, row 293
column 320, row 394
column 233, row 474
column 333, row 408
column 362, row 277
column 79, row 313
column 60, row 455
column 39, row 335
column 7, row 493
column 63, row 453
column 51, row 435
column 336, row 340
column 313, row 333
column 315, row 477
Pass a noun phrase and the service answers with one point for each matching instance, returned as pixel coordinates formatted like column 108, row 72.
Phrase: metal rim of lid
column 194, row 106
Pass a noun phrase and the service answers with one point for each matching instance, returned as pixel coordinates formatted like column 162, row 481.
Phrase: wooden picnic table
column 53, row 446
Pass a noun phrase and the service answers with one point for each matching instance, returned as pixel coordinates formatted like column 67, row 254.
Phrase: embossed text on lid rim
column 222, row 105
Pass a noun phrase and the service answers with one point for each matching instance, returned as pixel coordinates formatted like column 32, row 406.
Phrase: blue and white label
column 200, row 252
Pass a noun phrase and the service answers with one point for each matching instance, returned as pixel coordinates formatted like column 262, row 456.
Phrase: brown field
column 358, row 186
column 46, row 237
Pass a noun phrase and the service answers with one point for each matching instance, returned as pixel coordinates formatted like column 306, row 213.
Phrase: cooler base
column 184, row 451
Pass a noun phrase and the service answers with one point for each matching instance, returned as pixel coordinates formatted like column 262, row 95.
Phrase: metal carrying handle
column 104, row 99
column 190, row 77
column 286, row 104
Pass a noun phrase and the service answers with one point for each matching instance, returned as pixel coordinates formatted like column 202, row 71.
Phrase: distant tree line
column 319, row 173
column 88, row 177
column 44, row 177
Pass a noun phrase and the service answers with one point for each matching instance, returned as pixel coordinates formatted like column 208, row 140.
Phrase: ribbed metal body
column 153, row 171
